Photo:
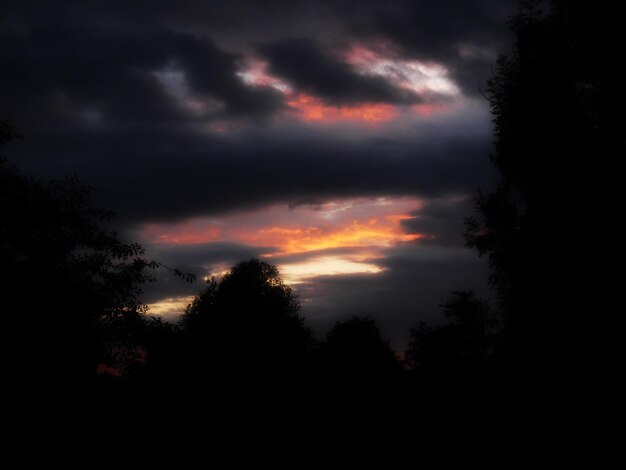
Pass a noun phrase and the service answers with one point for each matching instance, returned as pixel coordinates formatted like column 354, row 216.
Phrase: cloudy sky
column 341, row 140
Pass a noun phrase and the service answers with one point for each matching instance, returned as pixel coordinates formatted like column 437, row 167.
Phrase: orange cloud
column 364, row 227
column 289, row 240
column 355, row 234
column 310, row 108
column 335, row 224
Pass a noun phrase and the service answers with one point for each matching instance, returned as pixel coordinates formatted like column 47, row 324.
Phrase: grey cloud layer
column 83, row 90
column 69, row 56
column 170, row 176
column 58, row 76
column 442, row 220
column 465, row 36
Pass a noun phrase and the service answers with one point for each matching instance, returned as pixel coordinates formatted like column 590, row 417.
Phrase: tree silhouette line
column 72, row 287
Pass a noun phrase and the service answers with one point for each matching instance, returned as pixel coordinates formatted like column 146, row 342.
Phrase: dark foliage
column 247, row 327
column 462, row 348
column 354, row 353
column 69, row 286
column 550, row 229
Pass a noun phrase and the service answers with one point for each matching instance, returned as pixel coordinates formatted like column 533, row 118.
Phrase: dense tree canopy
column 247, row 323
column 460, row 348
column 550, row 227
column 354, row 351
column 69, row 284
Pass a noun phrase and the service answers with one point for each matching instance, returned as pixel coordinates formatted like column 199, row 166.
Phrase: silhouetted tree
column 68, row 284
column 157, row 358
column 550, row 228
column 354, row 352
column 460, row 348
column 247, row 327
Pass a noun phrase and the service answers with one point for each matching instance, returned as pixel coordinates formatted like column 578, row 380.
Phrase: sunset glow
column 296, row 273
column 284, row 230
column 310, row 108
column 170, row 306
column 372, row 232
column 339, row 237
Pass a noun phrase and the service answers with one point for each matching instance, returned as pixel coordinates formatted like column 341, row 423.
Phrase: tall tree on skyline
column 549, row 228
column 247, row 326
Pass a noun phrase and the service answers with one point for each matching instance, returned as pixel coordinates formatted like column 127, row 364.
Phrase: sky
column 343, row 141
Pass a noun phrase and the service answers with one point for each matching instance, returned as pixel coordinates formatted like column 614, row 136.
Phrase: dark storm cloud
column 434, row 29
column 306, row 66
column 197, row 257
column 80, row 85
column 442, row 219
column 73, row 76
column 212, row 72
column 65, row 60
column 464, row 36
column 173, row 175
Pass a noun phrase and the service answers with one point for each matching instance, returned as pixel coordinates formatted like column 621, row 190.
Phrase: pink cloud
column 429, row 80
column 310, row 108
